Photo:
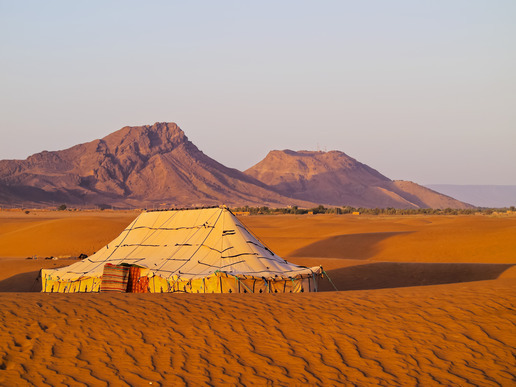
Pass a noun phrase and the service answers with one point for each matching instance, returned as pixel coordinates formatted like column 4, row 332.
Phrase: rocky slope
column 334, row 178
column 134, row 166
column 154, row 165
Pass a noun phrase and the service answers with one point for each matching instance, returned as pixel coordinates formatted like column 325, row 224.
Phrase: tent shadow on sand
column 380, row 275
column 348, row 246
column 355, row 275
column 23, row 282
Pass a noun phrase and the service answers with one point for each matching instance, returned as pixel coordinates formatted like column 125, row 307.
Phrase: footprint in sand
column 7, row 362
column 25, row 344
column 45, row 327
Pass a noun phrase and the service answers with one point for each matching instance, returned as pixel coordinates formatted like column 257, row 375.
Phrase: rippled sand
column 451, row 335
column 447, row 321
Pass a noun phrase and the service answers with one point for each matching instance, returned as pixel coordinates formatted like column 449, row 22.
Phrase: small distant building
column 356, row 213
column 241, row 213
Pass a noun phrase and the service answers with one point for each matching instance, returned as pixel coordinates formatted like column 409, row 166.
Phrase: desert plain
column 422, row 300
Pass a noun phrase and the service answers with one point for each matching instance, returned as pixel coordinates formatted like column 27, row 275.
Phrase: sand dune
column 453, row 335
column 380, row 238
column 391, row 238
column 59, row 233
column 428, row 301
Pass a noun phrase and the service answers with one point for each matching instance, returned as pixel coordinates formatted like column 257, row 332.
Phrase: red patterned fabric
column 144, row 285
column 137, row 283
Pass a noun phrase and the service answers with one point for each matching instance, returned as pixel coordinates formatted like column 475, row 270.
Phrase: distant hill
column 134, row 166
column 334, row 178
column 145, row 166
column 496, row 196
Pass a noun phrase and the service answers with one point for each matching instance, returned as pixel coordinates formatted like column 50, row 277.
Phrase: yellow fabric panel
column 158, row 284
column 259, row 286
column 245, row 285
column 228, row 284
column 85, row 285
column 285, row 286
column 223, row 283
column 197, row 285
column 50, row 285
column 212, row 284
column 183, row 286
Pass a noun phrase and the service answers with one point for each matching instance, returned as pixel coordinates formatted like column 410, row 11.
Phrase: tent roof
column 187, row 244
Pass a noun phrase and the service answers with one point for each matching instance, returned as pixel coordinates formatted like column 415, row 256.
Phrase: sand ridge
column 380, row 238
column 391, row 238
column 61, row 233
column 438, row 319
column 462, row 334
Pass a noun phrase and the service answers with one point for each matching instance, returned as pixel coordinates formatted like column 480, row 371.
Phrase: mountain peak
column 144, row 165
column 335, row 178
column 280, row 166
column 136, row 165
column 151, row 139
column 307, row 153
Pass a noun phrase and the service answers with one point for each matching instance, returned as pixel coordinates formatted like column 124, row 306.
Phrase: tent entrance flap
column 124, row 278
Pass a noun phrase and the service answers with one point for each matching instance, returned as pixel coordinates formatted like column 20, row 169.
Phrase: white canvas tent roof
column 184, row 245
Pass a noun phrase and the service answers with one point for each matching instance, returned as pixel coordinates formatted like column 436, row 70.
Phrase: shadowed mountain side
column 425, row 197
column 349, row 246
column 382, row 275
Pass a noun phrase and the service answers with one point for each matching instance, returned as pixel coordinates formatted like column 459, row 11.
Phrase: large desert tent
column 206, row 250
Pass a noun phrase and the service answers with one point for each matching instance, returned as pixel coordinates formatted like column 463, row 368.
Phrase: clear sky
column 421, row 91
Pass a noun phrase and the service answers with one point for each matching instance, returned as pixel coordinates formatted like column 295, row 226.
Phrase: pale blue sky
column 421, row 91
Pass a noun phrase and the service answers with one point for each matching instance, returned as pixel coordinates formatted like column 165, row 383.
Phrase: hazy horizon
column 421, row 92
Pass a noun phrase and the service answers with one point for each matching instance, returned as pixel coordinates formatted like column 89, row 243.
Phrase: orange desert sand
column 423, row 301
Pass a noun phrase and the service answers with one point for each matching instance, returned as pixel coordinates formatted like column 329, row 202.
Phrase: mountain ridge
column 141, row 166
column 134, row 166
column 334, row 178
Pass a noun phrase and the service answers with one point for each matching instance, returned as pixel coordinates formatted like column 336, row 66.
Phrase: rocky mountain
column 146, row 166
column 134, row 166
column 334, row 178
